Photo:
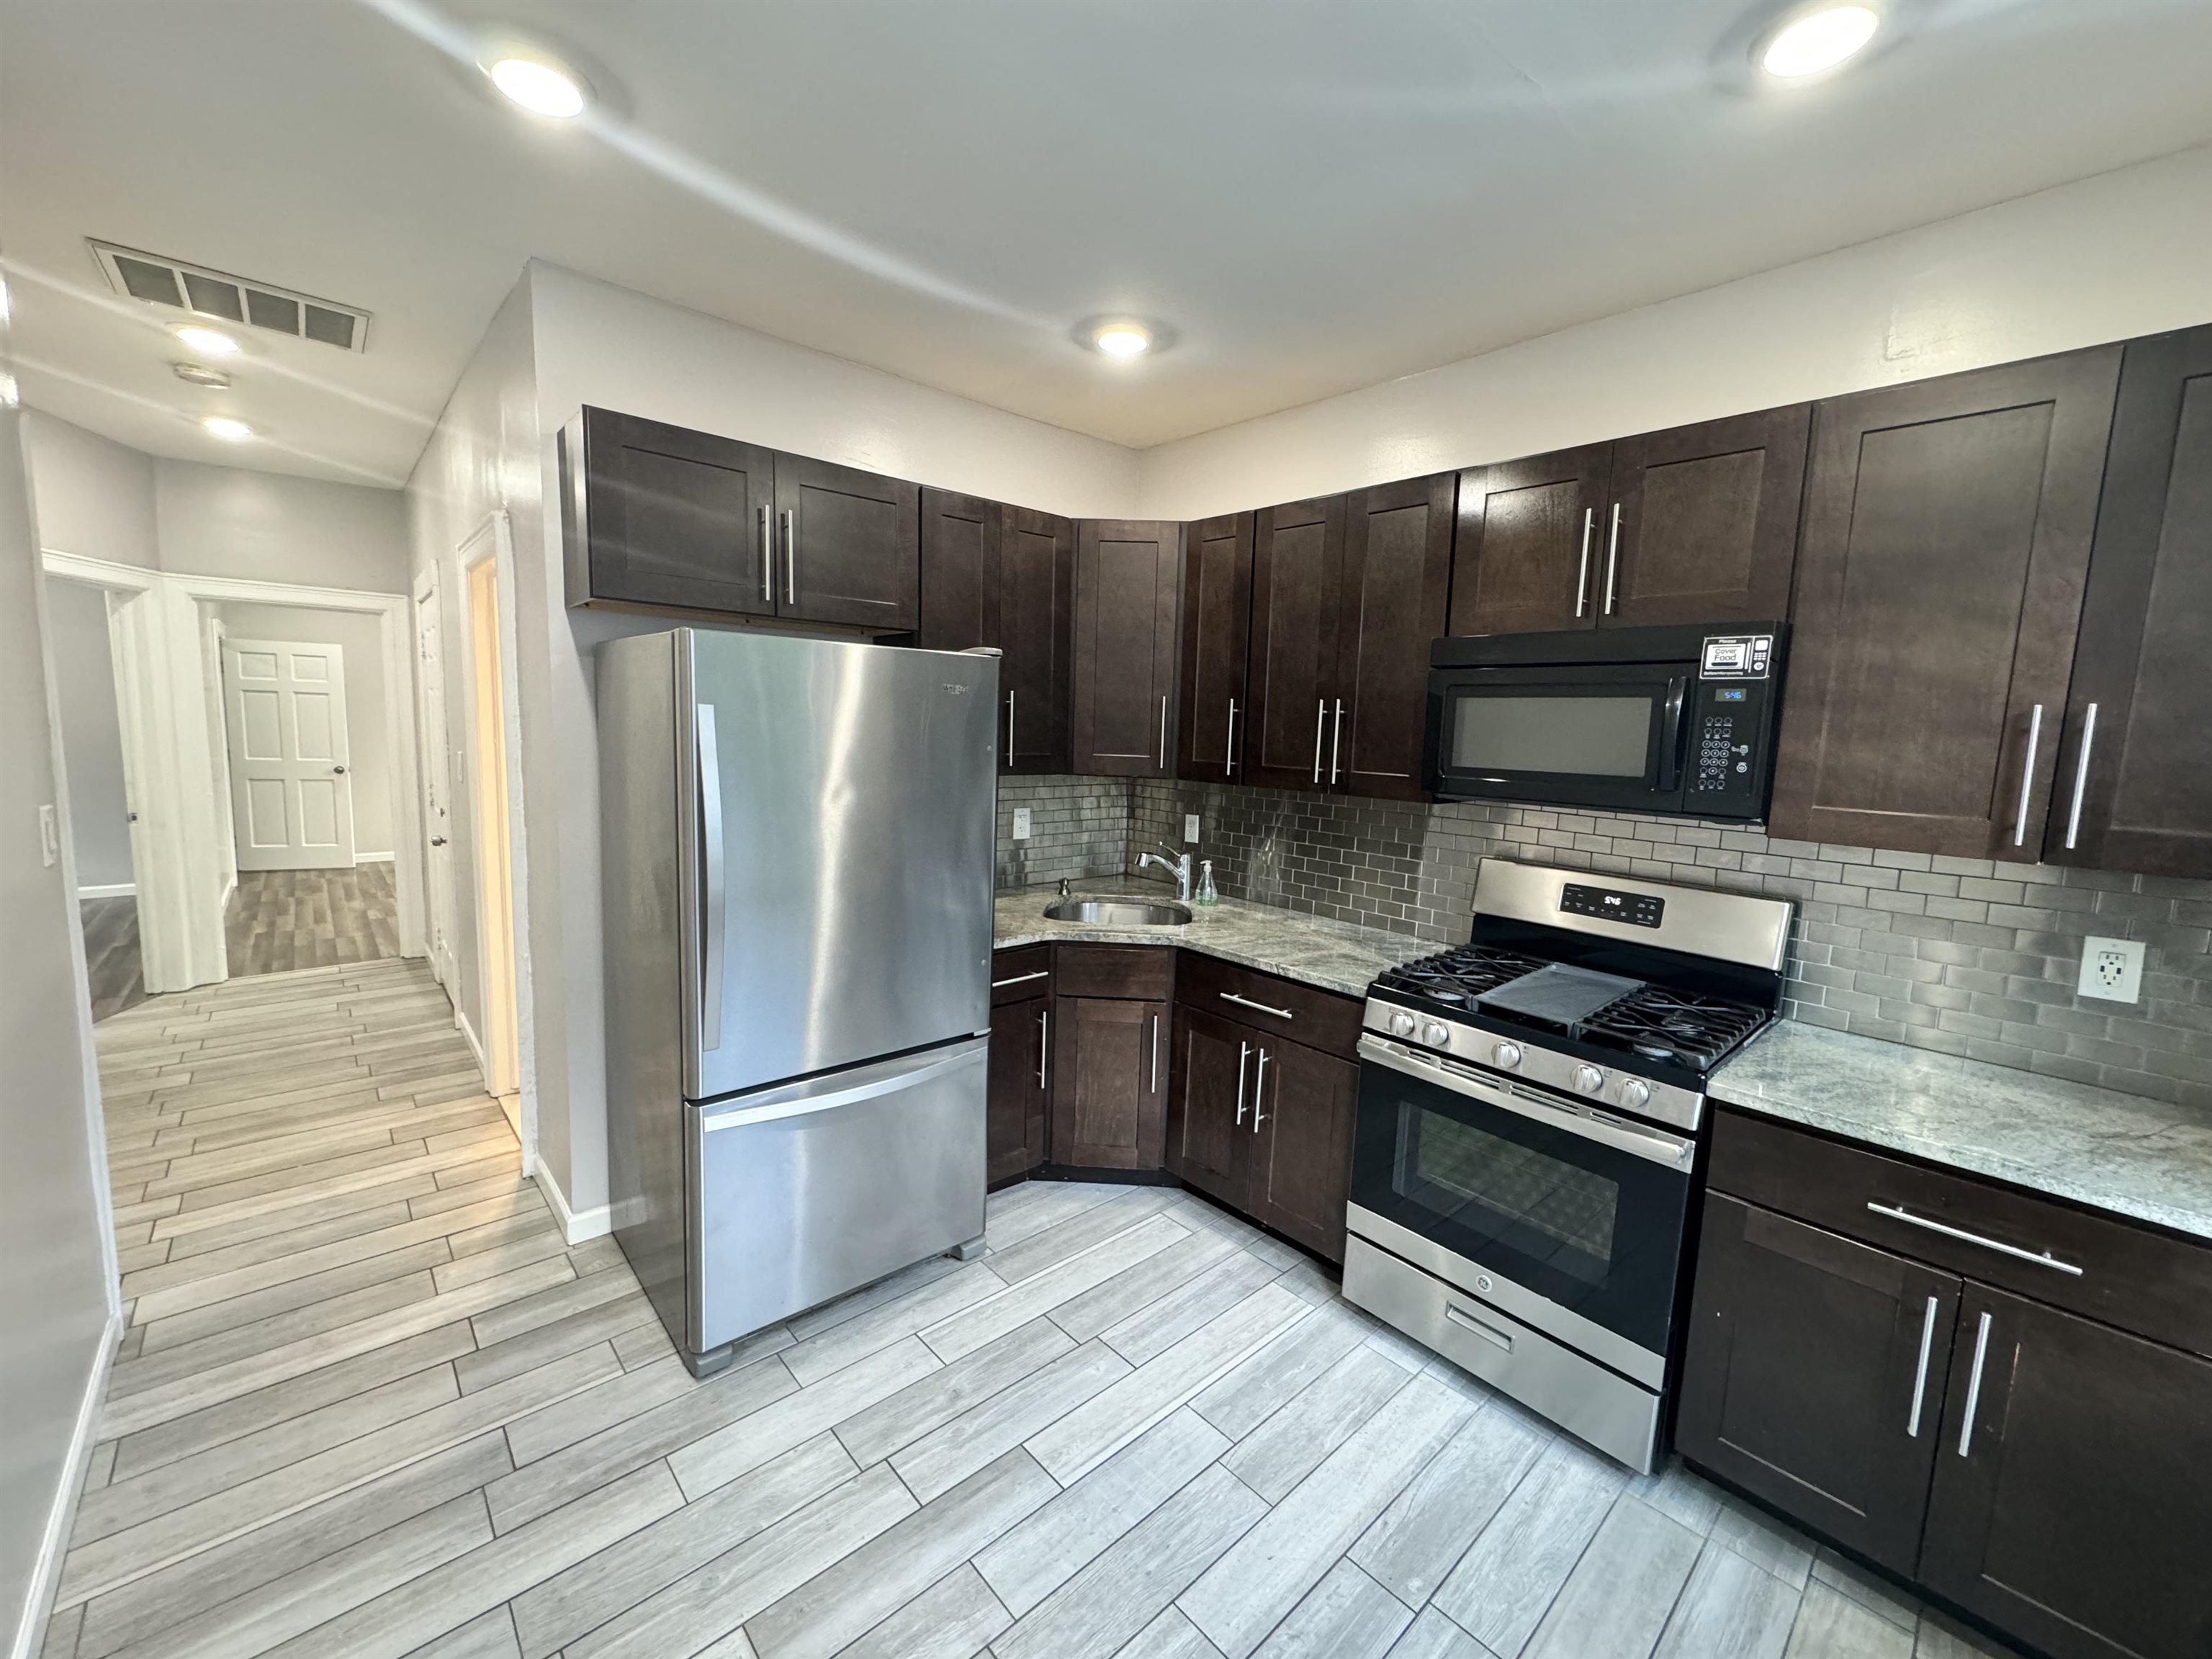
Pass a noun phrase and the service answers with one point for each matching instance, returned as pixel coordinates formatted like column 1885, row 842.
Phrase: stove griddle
column 1557, row 996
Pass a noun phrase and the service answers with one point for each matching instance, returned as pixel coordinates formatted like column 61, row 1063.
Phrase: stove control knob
column 1632, row 1092
column 1507, row 1054
column 1588, row 1079
column 1402, row 1025
column 1436, row 1034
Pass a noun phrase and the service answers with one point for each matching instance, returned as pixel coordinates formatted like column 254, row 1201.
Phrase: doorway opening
column 484, row 562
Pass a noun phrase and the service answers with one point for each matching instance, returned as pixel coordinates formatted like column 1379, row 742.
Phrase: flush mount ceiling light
column 212, row 342
column 1813, row 42
column 229, row 431
column 200, row 374
column 542, row 88
column 1121, row 338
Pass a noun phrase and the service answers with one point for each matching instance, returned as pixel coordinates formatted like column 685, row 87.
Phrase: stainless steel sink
column 1118, row 912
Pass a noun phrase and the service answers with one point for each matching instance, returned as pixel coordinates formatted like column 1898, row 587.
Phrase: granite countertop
column 2133, row 1156
column 1333, row 956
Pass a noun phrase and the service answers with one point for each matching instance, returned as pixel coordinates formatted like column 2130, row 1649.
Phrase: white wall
column 94, row 497
column 56, row 1286
column 91, row 739
column 2125, row 253
column 360, row 636
column 271, row 527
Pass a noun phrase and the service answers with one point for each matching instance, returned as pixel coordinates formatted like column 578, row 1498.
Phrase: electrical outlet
column 1190, row 827
column 2111, row 969
column 1021, row 823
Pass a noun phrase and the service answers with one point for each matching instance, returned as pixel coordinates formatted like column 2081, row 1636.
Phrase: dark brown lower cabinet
column 1209, row 1144
column 1301, row 1104
column 1110, row 1069
column 2070, row 1503
column 1815, row 1376
column 1019, row 1074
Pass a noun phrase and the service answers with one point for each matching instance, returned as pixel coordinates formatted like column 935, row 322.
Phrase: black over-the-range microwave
column 1663, row 720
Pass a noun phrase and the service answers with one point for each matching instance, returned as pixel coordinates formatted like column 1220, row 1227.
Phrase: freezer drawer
column 802, row 1192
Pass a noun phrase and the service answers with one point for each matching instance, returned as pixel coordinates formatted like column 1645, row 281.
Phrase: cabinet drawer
column 1112, row 970
column 2130, row 1277
column 1281, row 1008
column 1019, row 974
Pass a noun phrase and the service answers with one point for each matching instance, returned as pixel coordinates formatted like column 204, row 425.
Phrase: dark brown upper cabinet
column 850, row 544
column 1813, row 1376
column 1298, row 564
column 1527, row 531
column 960, row 539
column 1701, row 527
column 656, row 515
column 1128, row 580
column 1694, row 525
column 1037, row 611
column 2070, row 1506
column 2135, row 776
column 1397, row 569
column 1940, row 575
column 1217, row 614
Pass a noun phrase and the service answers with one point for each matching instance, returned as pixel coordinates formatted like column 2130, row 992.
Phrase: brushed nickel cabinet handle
column 1612, row 556
column 1156, row 1053
column 1258, row 1088
column 1021, row 979
column 1246, row 1002
column 790, row 557
column 1009, row 728
column 1229, row 746
column 1582, row 577
column 1974, row 1384
column 1044, row 1042
column 768, row 554
column 1243, row 1058
column 1920, row 1374
column 1335, row 741
column 1321, row 723
column 1164, row 734
column 2027, row 776
column 2082, row 776
column 2045, row 1259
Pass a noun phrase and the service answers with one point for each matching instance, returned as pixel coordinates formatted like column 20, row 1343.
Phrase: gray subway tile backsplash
column 1962, row 956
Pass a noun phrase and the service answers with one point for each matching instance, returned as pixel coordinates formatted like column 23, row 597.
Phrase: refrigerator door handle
column 819, row 1095
column 716, row 896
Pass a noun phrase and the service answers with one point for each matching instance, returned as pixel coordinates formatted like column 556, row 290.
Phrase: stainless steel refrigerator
column 797, row 845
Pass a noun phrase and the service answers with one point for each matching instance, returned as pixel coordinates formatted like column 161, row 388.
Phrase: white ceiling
column 1315, row 197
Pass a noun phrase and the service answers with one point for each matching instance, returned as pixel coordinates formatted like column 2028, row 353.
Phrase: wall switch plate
column 1190, row 827
column 1021, row 823
column 49, row 836
column 2111, row 969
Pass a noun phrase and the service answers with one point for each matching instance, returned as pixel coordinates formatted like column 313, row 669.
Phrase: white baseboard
column 110, row 889
column 45, row 1572
column 374, row 857
column 576, row 1225
column 476, row 1046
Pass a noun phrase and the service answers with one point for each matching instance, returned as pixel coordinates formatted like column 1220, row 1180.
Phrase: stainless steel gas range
column 1525, row 1160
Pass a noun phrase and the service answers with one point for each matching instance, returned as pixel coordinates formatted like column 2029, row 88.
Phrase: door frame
column 436, row 757
column 173, row 751
column 492, row 757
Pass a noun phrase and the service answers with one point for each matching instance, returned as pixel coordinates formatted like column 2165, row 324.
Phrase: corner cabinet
column 1128, row 588
column 2003, row 1399
column 659, row 516
column 1940, row 581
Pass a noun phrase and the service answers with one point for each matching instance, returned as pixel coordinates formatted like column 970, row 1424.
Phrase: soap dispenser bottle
column 1207, row 893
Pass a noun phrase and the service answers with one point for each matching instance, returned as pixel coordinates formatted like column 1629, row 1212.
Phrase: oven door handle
column 1672, row 1150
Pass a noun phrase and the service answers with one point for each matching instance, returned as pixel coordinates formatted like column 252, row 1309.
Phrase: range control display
column 1635, row 909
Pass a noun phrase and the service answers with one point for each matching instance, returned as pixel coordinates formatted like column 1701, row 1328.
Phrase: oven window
column 1557, row 1213
column 1581, row 737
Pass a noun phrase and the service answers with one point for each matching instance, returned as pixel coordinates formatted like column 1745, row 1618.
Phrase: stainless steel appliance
column 1525, row 1150
column 1668, row 720
column 797, row 840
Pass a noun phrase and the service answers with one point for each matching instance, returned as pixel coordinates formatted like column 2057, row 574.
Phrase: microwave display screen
column 1588, row 737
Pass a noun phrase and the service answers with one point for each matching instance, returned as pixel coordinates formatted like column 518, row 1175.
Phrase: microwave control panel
column 1729, row 717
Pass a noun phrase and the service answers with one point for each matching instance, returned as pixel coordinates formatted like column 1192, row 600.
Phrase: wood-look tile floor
column 370, row 1404
column 282, row 920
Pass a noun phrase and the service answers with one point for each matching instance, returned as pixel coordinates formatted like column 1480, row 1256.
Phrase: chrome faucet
column 1180, row 864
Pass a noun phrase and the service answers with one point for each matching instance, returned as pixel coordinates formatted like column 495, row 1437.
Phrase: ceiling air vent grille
column 162, row 281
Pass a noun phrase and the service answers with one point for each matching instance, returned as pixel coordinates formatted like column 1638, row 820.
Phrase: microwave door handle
column 1670, row 737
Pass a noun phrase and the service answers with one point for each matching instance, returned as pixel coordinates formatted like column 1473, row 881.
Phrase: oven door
column 1565, row 1216
column 1584, row 734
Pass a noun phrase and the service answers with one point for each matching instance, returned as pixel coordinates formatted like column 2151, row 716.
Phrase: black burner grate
column 1458, row 977
column 1673, row 1025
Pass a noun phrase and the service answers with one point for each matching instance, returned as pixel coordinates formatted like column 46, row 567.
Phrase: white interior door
column 437, row 773
column 291, row 796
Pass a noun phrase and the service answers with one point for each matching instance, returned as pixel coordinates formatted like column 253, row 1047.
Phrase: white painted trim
column 61, row 1516
column 98, row 573
column 469, row 1035
column 577, row 1226
column 373, row 858
column 109, row 889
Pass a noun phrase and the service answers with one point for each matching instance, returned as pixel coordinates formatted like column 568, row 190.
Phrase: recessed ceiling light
column 1819, row 40
column 200, row 374
column 1123, row 339
column 542, row 88
column 212, row 341
column 223, row 427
